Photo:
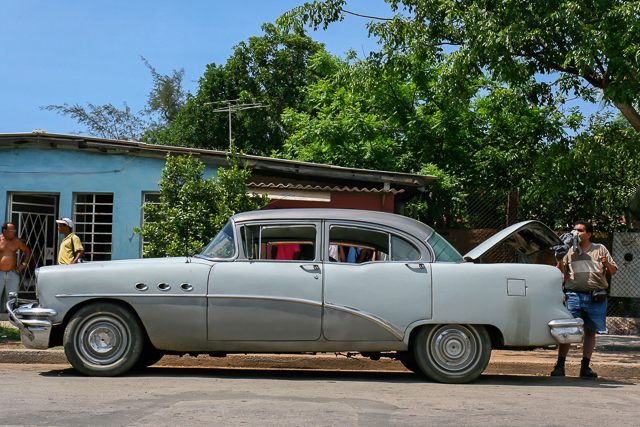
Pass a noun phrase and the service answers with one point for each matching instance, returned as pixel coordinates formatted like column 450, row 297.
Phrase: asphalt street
column 55, row 395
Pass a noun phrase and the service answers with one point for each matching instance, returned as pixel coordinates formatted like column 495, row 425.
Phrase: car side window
column 401, row 250
column 279, row 242
column 358, row 245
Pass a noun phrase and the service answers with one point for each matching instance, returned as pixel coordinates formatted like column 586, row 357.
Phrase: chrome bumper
column 567, row 331
column 32, row 322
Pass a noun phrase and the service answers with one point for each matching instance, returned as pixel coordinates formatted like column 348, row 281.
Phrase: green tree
column 164, row 101
column 270, row 70
column 400, row 119
column 192, row 209
column 591, row 176
column 592, row 45
column 104, row 121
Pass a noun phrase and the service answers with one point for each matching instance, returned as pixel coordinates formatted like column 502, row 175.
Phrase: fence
column 484, row 213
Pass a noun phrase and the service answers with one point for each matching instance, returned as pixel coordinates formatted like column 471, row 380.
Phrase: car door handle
column 314, row 267
column 419, row 265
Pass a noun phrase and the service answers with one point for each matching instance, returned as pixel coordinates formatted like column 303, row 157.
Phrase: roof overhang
column 266, row 165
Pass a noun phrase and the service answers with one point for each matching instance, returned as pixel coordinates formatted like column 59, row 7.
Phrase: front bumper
column 567, row 331
column 31, row 320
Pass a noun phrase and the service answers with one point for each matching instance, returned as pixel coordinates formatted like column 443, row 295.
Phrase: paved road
column 50, row 395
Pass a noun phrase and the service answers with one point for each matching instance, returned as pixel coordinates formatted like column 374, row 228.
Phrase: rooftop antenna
column 233, row 106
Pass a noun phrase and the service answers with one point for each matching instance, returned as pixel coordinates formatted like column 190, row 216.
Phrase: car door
column 376, row 298
column 273, row 291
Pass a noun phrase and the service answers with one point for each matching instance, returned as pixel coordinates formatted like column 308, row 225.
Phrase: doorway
column 34, row 215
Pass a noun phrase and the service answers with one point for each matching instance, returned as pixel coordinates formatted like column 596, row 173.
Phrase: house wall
column 64, row 172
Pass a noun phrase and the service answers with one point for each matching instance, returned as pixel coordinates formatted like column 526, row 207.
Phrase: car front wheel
column 103, row 339
column 453, row 353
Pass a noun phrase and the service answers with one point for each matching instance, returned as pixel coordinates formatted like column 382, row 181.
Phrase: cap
column 65, row 221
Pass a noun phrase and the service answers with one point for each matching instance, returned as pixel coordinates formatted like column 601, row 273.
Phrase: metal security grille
column 34, row 216
column 623, row 309
column 93, row 223
column 153, row 198
column 626, row 254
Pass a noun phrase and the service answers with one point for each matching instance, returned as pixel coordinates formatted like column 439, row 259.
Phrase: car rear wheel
column 453, row 353
column 103, row 339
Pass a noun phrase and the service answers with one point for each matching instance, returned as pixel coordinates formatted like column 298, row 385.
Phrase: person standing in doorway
column 9, row 267
column 585, row 272
column 71, row 249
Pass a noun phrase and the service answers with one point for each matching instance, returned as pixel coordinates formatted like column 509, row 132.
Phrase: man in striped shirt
column 585, row 272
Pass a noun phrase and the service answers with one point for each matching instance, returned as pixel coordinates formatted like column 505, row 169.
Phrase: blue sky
column 89, row 51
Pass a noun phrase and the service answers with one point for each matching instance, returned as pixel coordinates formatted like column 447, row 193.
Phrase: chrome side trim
column 567, row 331
column 264, row 297
column 370, row 317
column 174, row 295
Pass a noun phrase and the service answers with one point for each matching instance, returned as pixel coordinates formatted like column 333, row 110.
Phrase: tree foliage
column 104, row 121
column 590, row 44
column 164, row 101
column 592, row 175
column 270, row 70
column 192, row 209
column 456, row 90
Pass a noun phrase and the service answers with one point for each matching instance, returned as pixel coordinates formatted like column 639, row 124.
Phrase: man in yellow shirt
column 71, row 249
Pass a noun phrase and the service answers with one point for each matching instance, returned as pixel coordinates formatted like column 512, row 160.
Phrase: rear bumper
column 32, row 321
column 567, row 331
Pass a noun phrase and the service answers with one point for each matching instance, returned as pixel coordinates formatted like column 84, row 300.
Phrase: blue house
column 101, row 184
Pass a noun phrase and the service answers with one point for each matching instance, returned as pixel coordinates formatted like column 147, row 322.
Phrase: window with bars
column 153, row 198
column 93, row 223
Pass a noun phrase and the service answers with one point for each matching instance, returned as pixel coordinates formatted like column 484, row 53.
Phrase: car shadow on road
column 335, row 376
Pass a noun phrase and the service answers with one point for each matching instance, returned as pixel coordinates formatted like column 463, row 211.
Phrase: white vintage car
column 306, row 281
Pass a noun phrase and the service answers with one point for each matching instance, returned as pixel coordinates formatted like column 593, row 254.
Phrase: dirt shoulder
column 619, row 365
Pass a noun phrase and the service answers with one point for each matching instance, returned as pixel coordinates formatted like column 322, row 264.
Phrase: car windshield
column 442, row 249
column 223, row 245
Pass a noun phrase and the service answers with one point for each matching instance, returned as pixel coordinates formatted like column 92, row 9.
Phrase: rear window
column 442, row 249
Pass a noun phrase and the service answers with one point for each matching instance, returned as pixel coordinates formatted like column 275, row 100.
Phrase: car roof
column 399, row 222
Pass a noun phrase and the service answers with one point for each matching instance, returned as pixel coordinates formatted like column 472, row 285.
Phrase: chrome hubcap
column 454, row 348
column 103, row 340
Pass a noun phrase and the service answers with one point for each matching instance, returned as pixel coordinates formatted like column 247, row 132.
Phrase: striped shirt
column 585, row 270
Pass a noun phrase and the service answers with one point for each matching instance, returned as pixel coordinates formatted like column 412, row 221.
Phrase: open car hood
column 527, row 237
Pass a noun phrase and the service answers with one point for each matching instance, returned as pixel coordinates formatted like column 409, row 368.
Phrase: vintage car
column 280, row 281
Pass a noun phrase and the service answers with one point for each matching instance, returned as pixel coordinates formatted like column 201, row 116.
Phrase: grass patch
column 9, row 335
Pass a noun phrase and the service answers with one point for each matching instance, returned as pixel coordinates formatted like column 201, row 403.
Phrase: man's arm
column 27, row 255
column 612, row 269
column 79, row 254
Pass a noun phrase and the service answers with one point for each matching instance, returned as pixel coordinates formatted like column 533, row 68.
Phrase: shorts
column 594, row 314
column 9, row 282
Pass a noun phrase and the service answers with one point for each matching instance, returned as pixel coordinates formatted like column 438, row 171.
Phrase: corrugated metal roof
column 322, row 188
column 268, row 164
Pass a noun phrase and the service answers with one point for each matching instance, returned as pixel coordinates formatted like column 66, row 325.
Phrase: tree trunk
column 630, row 114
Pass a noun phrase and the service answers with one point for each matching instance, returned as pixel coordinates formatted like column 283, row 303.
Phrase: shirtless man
column 9, row 268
